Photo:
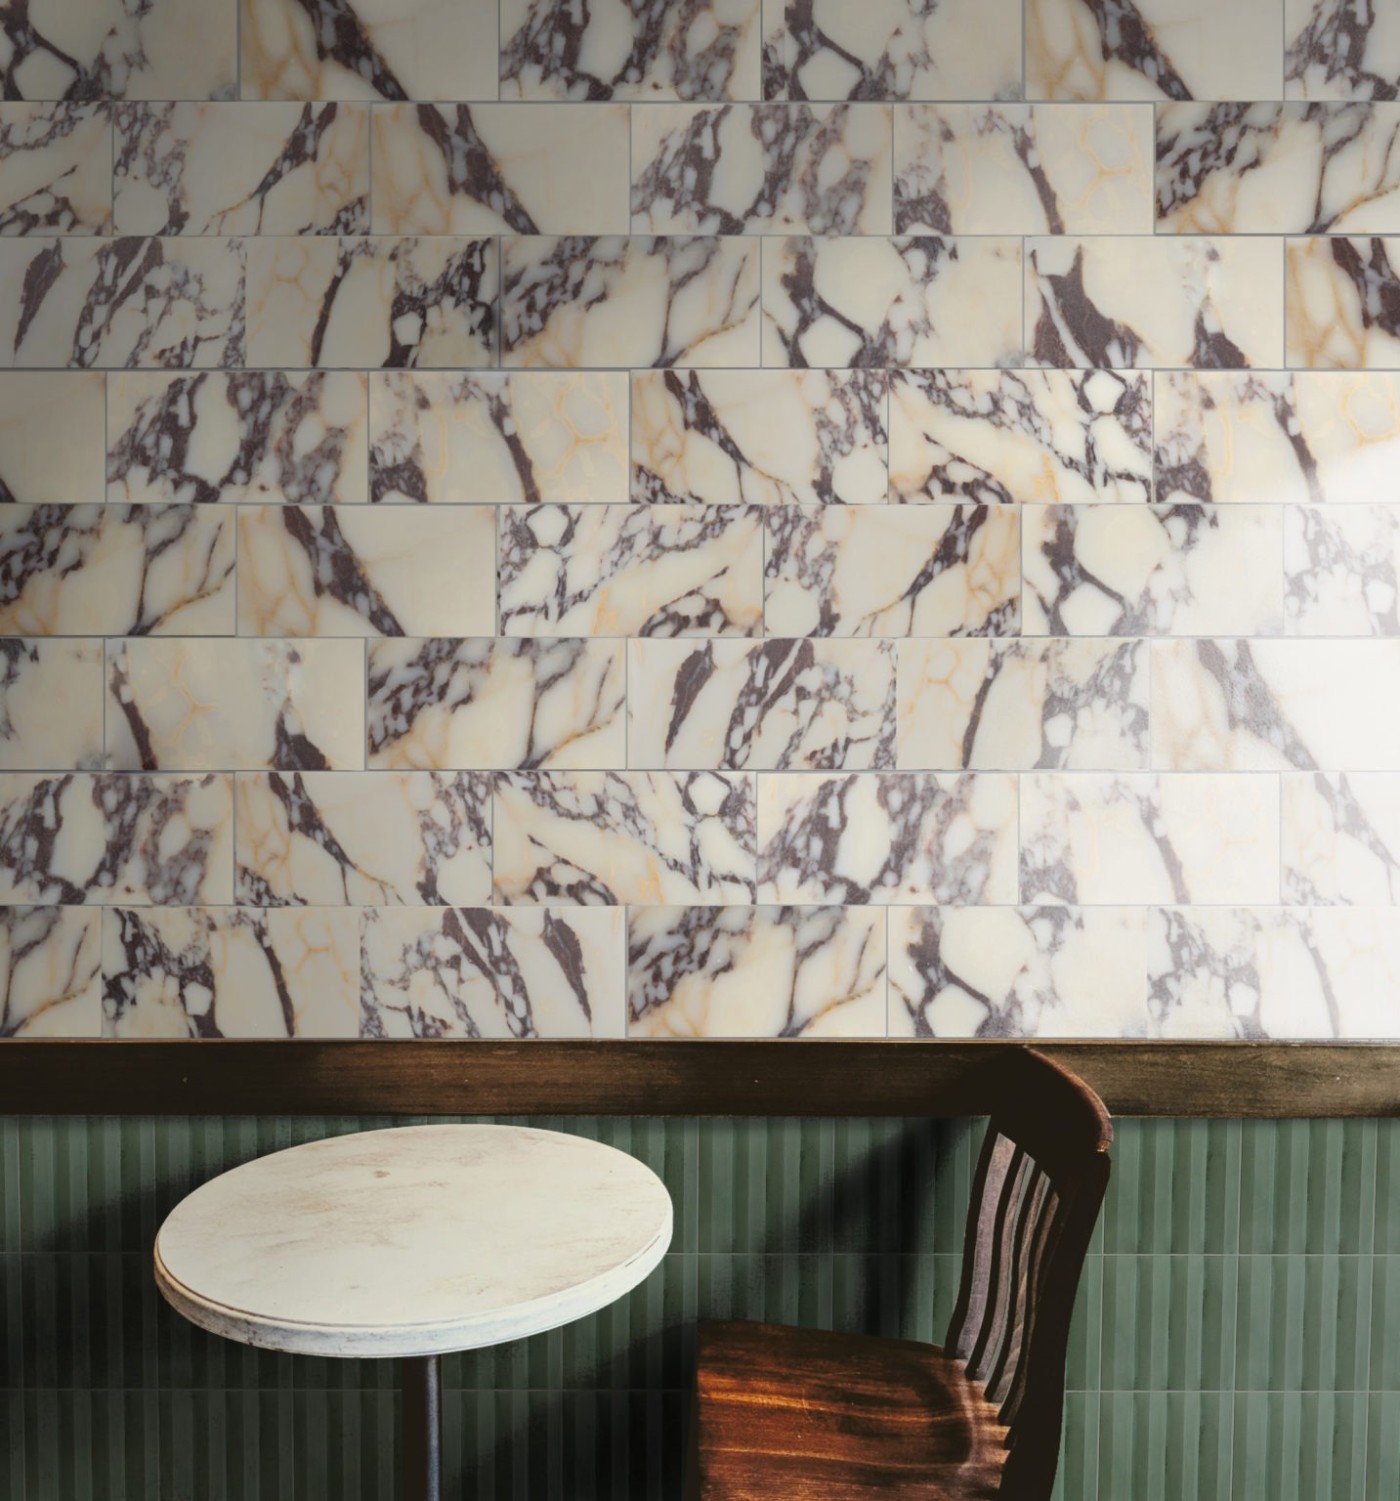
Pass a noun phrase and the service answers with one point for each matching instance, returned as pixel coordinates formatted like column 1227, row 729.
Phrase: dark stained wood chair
column 786, row 1414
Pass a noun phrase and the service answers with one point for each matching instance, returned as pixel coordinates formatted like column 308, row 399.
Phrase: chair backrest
column 1036, row 1197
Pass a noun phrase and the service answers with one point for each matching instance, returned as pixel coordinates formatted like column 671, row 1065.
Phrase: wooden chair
column 805, row 1415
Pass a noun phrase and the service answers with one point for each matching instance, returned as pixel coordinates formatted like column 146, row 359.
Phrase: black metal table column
column 420, row 1428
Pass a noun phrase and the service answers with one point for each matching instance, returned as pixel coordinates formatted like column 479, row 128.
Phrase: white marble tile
column 51, row 436
column 1341, row 838
column 1336, row 50
column 51, row 694
column 51, row 963
column 55, row 169
column 1343, row 303
column 756, row 972
column 1342, row 570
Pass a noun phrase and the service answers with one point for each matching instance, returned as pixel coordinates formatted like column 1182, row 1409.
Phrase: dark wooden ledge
column 1274, row 1080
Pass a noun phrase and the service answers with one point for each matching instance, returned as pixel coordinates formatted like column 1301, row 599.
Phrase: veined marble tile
column 196, row 704
column 581, row 300
column 366, row 571
column 623, row 838
column 515, row 704
column 453, row 169
column 122, row 49
column 1140, row 837
column 761, row 437
column 887, row 837
column 770, row 705
column 892, row 49
column 1005, row 436
column 499, row 438
column 1151, row 570
column 631, row 571
column 128, row 302
column 51, row 694
column 1337, row 50
column 477, row 972
column 1018, row 972
column 1015, row 705
column 1343, row 303
column 294, row 436
column 756, row 972
column 1137, row 303
column 919, row 300
column 1152, row 49
column 1278, row 168
column 331, row 839
column 368, row 302
column 115, row 839
column 55, row 169
column 1006, row 169
column 115, row 570
column 241, row 169
column 734, row 169
column 51, row 970
column 230, row 972
column 1275, row 705
column 1341, row 838
column 51, row 426
column 892, row 571
column 1341, row 570
column 629, row 49
column 367, row 49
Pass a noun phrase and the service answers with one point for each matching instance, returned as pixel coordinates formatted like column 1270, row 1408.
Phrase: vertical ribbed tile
column 1383, row 1445
column 1077, row 1479
column 1385, row 1318
column 1304, row 1323
column 1166, row 1446
column 1308, row 1186
column 1175, row 1187
column 1298, row 1446
column 1387, row 1187
column 1169, row 1323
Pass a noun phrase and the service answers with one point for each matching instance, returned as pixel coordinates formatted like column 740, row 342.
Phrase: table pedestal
column 420, row 1431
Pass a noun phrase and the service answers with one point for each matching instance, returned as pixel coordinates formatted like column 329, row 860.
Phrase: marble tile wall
column 736, row 519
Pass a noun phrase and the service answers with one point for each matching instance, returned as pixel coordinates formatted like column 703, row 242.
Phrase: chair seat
column 805, row 1415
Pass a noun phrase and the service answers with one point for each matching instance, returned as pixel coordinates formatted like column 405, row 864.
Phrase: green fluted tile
column 1167, row 1446
column 1174, row 1187
column 1301, row 1446
column 1387, row 1239
column 12, row 1445
column 1308, row 1186
column 1384, row 1367
column 10, row 1236
column 1304, row 1323
column 1083, row 1360
column 91, row 1322
column 1383, row 1445
column 1077, row 1478
column 91, row 1446
column 13, row 1372
column 1169, row 1323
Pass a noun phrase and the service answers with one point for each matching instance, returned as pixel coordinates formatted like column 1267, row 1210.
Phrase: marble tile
column 892, row 571
column 1154, row 570
column 196, row 972
column 1278, row 168
column 514, row 704
column 1343, row 300
column 760, row 437
column 1124, row 303
column 1141, row 838
column 239, row 435
column 51, row 694
column 55, row 169
column 631, row 571
column 892, row 49
column 756, row 972
column 454, row 169
column 122, row 303
column 887, row 838
column 1006, row 436
column 618, row 838
column 477, row 972
column 367, row 49
column 122, row 49
column 629, row 49
column 331, row 839
column 735, row 169
column 1341, row 838
column 1018, row 972
column 116, row 570
column 1337, row 50
column 1006, row 169
column 51, row 972
column 516, row 438
column 366, row 571
column 636, row 301
column 241, row 169
column 51, row 426
column 880, row 302
column 1017, row 705
column 195, row 704
column 1153, row 49
column 771, row 705
column 79, row 839
column 372, row 302
column 1295, row 705
column 1341, row 570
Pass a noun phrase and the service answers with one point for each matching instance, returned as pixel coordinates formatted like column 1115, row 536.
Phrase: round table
column 410, row 1243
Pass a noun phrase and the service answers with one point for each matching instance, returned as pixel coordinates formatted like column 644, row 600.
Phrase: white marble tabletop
column 413, row 1241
